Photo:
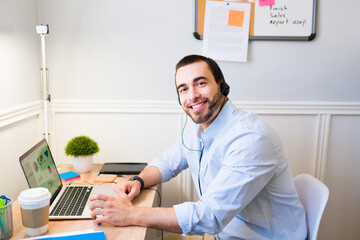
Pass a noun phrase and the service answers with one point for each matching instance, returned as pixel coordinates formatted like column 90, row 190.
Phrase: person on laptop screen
column 239, row 169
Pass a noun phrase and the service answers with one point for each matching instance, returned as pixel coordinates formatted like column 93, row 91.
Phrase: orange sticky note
column 105, row 178
column 236, row 18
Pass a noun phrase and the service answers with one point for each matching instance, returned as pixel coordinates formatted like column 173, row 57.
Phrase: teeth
column 197, row 105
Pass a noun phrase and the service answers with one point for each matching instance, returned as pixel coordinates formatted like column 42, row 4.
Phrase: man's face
column 198, row 90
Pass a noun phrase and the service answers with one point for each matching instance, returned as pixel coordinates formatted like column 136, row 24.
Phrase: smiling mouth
column 198, row 105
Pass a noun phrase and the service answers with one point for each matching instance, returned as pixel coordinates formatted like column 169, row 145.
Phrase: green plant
column 81, row 146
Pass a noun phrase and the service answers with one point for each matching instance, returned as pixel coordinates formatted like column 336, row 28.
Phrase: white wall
column 115, row 49
column 111, row 68
column 19, row 53
column 19, row 90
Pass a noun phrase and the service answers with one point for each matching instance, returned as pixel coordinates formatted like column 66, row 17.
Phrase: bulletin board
column 285, row 20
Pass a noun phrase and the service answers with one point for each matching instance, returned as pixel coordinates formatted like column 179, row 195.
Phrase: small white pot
column 83, row 164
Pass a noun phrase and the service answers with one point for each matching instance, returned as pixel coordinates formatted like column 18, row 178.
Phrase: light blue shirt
column 246, row 183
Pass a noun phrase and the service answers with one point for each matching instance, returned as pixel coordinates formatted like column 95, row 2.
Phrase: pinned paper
column 223, row 41
column 263, row 3
column 236, row 18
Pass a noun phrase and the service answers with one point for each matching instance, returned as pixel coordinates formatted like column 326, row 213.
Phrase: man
column 237, row 164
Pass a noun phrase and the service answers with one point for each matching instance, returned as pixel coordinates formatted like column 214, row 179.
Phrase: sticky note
column 105, row 178
column 263, row 3
column 236, row 18
column 67, row 176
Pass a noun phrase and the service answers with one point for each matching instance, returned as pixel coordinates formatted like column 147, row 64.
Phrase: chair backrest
column 313, row 196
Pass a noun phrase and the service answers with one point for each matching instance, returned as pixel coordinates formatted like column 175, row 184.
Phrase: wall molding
column 288, row 108
column 302, row 108
column 322, row 145
column 19, row 113
column 321, row 109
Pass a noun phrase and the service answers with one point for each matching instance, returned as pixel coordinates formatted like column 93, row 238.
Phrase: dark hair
column 214, row 67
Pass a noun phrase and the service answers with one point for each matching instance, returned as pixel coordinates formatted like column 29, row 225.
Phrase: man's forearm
column 151, row 176
column 159, row 218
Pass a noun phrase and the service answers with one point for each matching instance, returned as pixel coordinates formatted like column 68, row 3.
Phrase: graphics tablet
column 126, row 168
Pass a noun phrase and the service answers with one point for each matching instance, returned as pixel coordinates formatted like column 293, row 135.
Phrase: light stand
column 43, row 29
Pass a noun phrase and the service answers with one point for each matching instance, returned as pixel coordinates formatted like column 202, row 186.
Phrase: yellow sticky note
column 236, row 18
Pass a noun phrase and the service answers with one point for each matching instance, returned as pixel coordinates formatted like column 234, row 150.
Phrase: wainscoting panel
column 19, row 130
column 342, row 214
column 321, row 139
column 134, row 134
column 298, row 134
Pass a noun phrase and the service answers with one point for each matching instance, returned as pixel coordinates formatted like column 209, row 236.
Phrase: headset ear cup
column 225, row 88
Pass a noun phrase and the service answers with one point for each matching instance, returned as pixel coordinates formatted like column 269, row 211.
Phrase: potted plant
column 82, row 149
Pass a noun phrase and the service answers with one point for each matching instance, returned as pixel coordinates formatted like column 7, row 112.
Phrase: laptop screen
column 40, row 169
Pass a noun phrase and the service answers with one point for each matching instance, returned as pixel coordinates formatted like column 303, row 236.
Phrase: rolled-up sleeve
column 171, row 162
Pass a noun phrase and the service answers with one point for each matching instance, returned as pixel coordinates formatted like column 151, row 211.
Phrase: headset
column 224, row 88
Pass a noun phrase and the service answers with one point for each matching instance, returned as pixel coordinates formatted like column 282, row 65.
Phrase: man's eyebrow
column 199, row 78
column 194, row 80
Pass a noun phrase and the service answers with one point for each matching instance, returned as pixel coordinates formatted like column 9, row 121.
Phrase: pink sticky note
column 263, row 3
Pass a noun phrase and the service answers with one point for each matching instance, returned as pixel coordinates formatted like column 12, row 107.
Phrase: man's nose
column 193, row 94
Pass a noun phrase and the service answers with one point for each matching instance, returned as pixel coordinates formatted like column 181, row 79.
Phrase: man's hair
column 214, row 67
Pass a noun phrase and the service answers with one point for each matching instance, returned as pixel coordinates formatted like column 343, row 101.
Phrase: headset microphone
column 214, row 104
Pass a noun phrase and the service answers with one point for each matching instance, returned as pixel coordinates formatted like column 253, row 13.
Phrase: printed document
column 226, row 30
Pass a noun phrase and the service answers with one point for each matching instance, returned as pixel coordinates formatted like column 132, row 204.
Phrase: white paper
column 220, row 40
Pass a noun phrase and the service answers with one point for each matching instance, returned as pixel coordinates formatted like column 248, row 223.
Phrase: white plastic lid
column 34, row 198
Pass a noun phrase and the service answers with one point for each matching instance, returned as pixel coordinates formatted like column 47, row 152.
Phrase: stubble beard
column 197, row 118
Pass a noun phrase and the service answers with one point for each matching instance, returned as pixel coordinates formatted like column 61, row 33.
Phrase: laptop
column 40, row 171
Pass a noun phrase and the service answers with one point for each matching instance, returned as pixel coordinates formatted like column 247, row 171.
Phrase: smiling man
column 237, row 163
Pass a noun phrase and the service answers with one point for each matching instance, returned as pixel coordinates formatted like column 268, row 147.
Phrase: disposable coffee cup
column 34, row 206
column 6, row 220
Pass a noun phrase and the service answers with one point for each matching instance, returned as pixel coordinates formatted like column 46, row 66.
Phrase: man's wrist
column 139, row 179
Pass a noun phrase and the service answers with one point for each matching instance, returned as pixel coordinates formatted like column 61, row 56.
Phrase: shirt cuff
column 186, row 216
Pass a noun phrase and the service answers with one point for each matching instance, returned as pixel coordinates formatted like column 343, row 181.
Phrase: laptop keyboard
column 72, row 201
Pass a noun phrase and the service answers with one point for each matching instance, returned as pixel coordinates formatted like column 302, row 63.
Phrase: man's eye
column 181, row 90
column 201, row 83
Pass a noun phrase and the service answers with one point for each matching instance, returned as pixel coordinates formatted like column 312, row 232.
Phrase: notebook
column 40, row 171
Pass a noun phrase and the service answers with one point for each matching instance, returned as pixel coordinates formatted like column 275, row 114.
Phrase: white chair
column 313, row 196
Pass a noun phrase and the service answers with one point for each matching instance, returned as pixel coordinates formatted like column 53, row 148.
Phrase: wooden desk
column 145, row 199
